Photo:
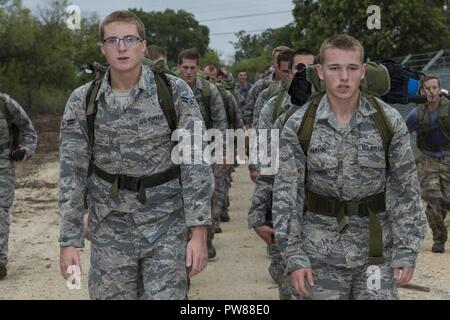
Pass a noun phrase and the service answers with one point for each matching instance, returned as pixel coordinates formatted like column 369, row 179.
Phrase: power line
column 249, row 31
column 246, row 16
column 231, row 6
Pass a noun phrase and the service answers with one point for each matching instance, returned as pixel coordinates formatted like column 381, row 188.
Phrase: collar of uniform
column 271, row 76
column 198, row 84
column 324, row 110
column 144, row 83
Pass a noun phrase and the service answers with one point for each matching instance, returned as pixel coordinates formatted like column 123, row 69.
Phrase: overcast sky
column 203, row 10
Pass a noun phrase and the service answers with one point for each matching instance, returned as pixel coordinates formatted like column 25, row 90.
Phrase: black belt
column 267, row 178
column 137, row 184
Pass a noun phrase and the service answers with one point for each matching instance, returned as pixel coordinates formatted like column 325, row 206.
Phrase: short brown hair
column 122, row 16
column 284, row 56
column 190, row 54
column 154, row 52
column 212, row 66
column 343, row 42
column 299, row 52
column 427, row 77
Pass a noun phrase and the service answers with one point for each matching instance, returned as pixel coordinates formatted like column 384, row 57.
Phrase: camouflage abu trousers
column 277, row 269
column 434, row 177
column 7, row 178
column 218, row 199
column 125, row 265
column 361, row 283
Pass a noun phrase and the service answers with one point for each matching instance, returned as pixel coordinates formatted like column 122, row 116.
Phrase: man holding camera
column 432, row 122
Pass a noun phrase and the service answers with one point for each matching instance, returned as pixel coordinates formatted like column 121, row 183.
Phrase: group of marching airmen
column 346, row 197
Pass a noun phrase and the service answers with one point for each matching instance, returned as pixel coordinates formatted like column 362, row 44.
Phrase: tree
column 406, row 26
column 40, row 56
column 174, row 31
column 248, row 46
column 210, row 56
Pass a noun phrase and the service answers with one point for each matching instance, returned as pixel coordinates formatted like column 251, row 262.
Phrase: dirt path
column 238, row 272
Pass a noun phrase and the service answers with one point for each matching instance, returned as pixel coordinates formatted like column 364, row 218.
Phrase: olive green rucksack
column 15, row 134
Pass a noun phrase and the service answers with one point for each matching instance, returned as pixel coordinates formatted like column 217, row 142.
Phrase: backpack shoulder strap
column 306, row 127
column 91, row 102
column 228, row 108
column 206, row 97
column 3, row 108
column 165, row 98
column 206, row 93
column 278, row 109
column 382, row 124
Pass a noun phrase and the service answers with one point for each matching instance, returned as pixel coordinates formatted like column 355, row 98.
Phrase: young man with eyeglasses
column 147, row 217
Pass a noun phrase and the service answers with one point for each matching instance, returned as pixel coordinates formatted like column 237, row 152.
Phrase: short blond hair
column 122, row 16
column 343, row 42
column 279, row 49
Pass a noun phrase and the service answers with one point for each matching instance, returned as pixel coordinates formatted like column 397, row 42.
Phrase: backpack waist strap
column 368, row 206
column 329, row 206
column 137, row 184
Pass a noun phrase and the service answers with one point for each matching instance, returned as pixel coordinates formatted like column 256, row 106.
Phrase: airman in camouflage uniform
column 325, row 203
column 11, row 113
column 282, row 63
column 214, row 115
column 146, row 238
column 432, row 121
column 260, row 85
column 259, row 214
column 235, row 122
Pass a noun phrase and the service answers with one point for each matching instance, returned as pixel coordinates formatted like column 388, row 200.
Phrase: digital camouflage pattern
column 346, row 163
column 133, row 140
column 18, row 117
column 252, row 96
column 434, row 176
column 262, row 200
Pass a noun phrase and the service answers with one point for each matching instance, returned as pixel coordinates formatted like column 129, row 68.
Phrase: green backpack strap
column 91, row 100
column 380, row 121
column 206, row 99
column 229, row 113
column 278, row 109
column 306, row 127
column 163, row 88
column 165, row 98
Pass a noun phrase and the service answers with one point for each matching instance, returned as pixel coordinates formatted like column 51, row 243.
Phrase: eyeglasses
column 128, row 41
